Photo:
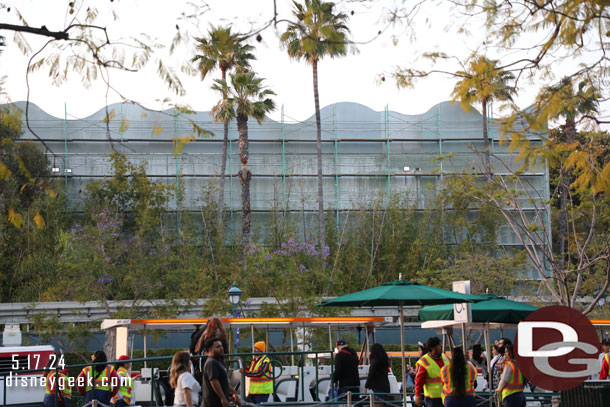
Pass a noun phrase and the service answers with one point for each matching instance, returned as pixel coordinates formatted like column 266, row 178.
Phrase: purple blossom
column 251, row 250
column 258, row 271
column 302, row 268
column 76, row 228
column 325, row 251
column 105, row 280
column 115, row 235
column 268, row 257
column 159, row 284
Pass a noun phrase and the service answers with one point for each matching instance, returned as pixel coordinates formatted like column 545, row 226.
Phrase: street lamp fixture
column 234, row 294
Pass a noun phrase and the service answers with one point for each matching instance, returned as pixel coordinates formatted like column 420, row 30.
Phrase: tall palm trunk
column 487, row 147
column 244, row 177
column 316, row 97
column 223, row 163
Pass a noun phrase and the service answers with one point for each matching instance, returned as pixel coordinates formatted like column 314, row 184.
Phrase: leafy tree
column 483, row 82
column 248, row 98
column 317, row 32
column 225, row 50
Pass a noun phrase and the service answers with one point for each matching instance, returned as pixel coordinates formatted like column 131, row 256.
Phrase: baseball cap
column 124, row 357
column 341, row 342
column 606, row 342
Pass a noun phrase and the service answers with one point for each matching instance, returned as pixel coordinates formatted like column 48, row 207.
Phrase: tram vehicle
column 294, row 380
column 18, row 385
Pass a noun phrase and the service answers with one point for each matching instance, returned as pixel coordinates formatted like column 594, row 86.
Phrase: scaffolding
column 368, row 156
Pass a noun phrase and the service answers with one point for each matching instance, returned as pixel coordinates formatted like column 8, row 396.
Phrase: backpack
column 197, row 363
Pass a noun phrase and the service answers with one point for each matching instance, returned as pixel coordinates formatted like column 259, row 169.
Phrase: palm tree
column 483, row 82
column 224, row 50
column 247, row 97
column 574, row 106
column 317, row 32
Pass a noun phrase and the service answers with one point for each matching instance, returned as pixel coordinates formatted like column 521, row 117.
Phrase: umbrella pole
column 402, row 349
column 488, row 357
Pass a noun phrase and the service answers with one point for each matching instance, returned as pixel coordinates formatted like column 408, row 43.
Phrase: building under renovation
column 368, row 156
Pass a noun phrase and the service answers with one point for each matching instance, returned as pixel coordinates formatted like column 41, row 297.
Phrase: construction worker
column 260, row 375
column 123, row 396
column 98, row 382
column 512, row 382
column 458, row 380
column 605, row 372
column 428, row 379
column 56, row 387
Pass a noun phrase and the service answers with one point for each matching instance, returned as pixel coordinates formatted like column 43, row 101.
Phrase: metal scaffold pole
column 121, row 130
column 230, row 185
column 387, row 144
column 66, row 168
column 283, row 162
column 336, row 167
column 177, row 176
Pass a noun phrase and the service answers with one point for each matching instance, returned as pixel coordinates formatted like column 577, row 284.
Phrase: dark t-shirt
column 214, row 369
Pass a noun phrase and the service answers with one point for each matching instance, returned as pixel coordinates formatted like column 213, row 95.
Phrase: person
column 428, row 379
column 216, row 389
column 421, row 351
column 56, row 386
column 186, row 391
column 98, row 382
column 260, row 375
column 458, row 381
column 478, row 359
column 346, row 369
column 214, row 330
column 502, row 342
column 123, row 396
column 512, row 382
column 495, row 372
column 605, row 360
column 377, row 379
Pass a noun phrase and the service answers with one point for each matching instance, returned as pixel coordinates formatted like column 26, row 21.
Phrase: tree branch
column 58, row 35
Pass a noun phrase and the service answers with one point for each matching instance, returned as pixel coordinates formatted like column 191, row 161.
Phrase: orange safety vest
column 64, row 387
column 516, row 382
column 125, row 387
column 449, row 387
column 433, row 385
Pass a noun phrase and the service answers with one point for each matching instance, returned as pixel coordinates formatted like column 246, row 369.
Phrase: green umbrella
column 491, row 309
column 400, row 293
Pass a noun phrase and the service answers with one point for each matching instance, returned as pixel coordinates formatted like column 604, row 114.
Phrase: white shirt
column 186, row 381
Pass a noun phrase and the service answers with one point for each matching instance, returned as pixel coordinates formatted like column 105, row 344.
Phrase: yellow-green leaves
column 5, row 173
column 157, row 129
column 15, row 218
column 39, row 220
column 484, row 81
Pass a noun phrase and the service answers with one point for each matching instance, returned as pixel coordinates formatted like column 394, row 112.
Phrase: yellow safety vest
column 607, row 358
column 99, row 382
column 433, row 385
column 449, row 386
column 262, row 384
column 53, row 381
column 125, row 387
column 516, row 382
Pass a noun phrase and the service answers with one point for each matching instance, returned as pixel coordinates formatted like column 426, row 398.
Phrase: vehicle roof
column 284, row 322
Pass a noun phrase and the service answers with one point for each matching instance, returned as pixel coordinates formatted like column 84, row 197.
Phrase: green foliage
column 482, row 82
column 316, row 32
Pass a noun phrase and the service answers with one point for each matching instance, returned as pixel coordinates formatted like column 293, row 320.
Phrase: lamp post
column 234, row 298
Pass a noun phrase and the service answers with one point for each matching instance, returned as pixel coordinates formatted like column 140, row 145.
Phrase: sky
column 354, row 78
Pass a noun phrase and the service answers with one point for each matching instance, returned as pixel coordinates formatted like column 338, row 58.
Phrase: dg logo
column 557, row 348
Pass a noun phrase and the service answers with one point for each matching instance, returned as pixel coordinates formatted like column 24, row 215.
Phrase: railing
column 303, row 395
